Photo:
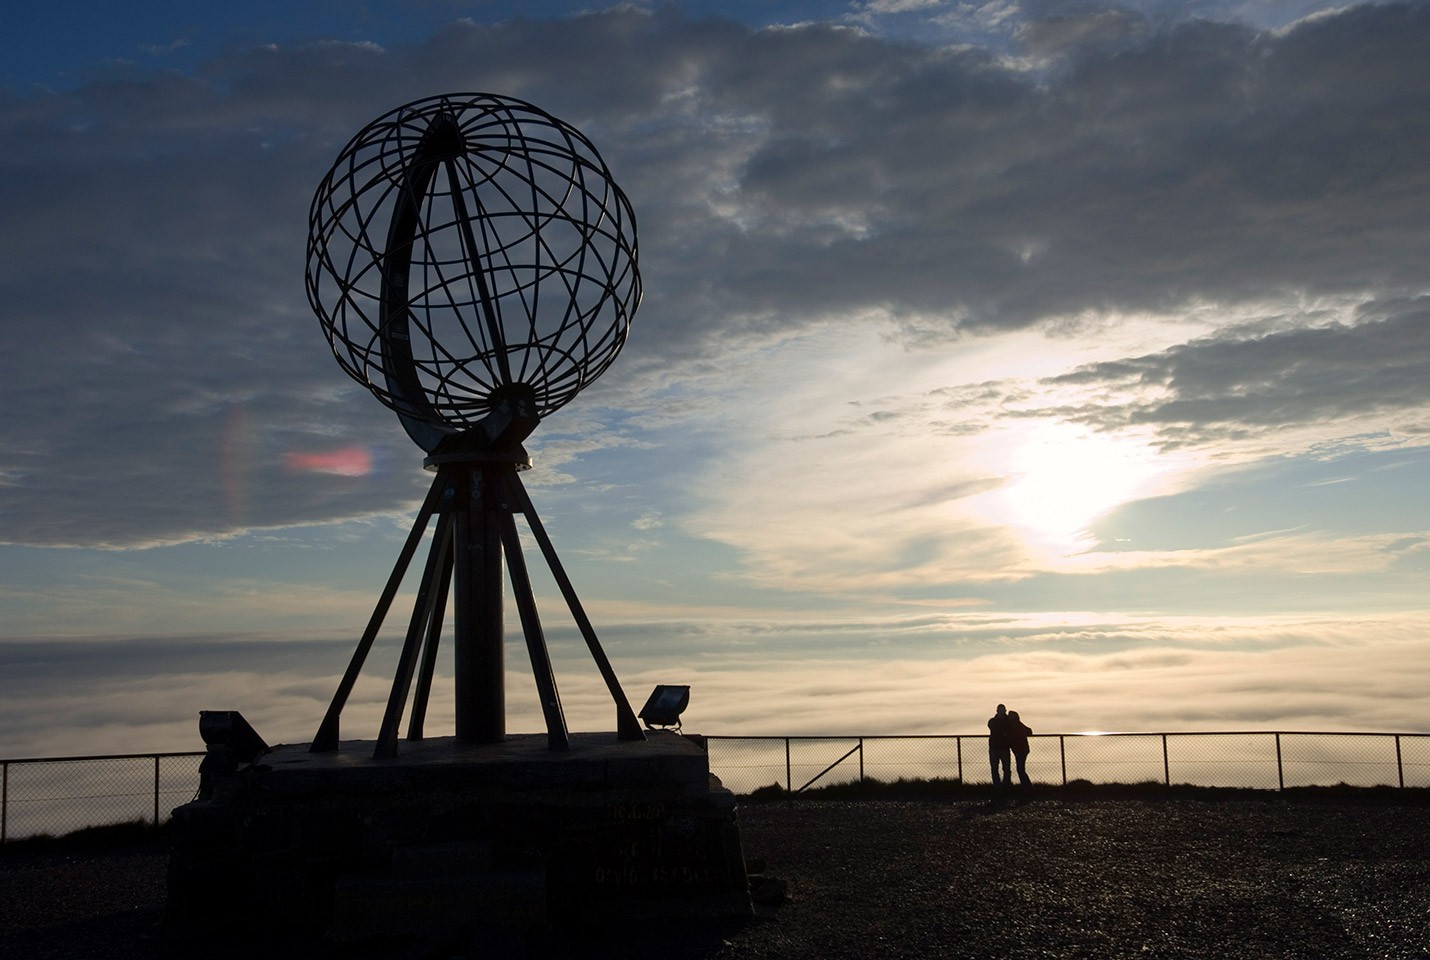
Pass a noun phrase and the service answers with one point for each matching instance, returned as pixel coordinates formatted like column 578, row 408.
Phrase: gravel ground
column 1102, row 879
column 867, row 879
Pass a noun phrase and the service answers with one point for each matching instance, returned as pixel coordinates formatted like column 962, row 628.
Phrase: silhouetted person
column 1018, row 734
column 998, row 747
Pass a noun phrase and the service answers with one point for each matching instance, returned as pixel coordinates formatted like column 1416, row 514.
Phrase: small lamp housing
column 666, row 703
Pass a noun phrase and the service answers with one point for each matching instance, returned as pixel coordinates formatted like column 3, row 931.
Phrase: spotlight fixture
column 666, row 703
column 227, row 728
column 231, row 741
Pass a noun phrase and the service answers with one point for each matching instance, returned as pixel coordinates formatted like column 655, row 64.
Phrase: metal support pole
column 861, row 759
column 422, row 614
column 627, row 726
column 156, row 789
column 4, row 800
column 1399, row 766
column 789, row 777
column 1280, row 775
column 418, row 717
column 556, row 734
column 326, row 739
column 1166, row 770
column 958, row 748
column 1063, row 757
column 478, row 654
column 820, row 775
column 475, row 501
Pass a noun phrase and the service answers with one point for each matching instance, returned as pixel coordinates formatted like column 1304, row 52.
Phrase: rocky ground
column 1061, row 877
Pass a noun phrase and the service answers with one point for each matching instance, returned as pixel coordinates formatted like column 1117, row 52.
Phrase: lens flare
column 354, row 461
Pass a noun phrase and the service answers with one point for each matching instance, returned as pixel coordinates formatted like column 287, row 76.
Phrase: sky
column 1069, row 355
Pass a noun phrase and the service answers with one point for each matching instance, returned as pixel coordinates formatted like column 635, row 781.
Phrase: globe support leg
column 326, row 739
column 556, row 735
column 627, row 726
column 424, row 615
column 429, row 651
column 478, row 625
column 475, row 545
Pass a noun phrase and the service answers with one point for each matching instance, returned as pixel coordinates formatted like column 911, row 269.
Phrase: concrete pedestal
column 453, row 837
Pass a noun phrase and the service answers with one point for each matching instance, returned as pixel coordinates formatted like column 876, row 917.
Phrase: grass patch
column 107, row 836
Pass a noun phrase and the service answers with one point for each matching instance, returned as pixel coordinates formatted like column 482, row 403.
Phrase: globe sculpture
column 474, row 265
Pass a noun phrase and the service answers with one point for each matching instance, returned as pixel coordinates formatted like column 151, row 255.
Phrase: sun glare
column 1065, row 476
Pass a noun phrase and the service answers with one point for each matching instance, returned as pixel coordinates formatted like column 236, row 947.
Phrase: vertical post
column 1280, row 775
column 1063, row 757
column 958, row 748
column 156, row 790
column 861, row 759
column 4, row 800
column 1399, row 766
column 1166, row 770
column 789, row 777
column 477, row 648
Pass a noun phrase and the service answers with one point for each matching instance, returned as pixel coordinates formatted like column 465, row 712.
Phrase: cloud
column 792, row 185
column 1220, row 388
column 1093, row 313
column 1293, row 684
column 899, row 676
column 1145, row 178
column 1299, row 552
column 1091, row 29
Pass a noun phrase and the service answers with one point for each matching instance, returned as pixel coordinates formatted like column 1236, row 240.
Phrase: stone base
column 453, row 837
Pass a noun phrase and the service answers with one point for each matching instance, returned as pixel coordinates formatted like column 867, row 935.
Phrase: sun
column 1064, row 476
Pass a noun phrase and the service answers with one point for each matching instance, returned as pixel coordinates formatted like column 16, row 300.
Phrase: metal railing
column 1270, row 760
column 55, row 795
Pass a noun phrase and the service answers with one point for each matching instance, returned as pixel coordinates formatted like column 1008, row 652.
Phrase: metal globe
column 469, row 248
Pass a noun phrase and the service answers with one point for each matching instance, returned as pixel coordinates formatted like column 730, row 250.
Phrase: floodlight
column 227, row 728
column 666, row 703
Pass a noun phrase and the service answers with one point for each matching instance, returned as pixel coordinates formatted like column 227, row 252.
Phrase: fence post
column 156, row 790
column 861, row 759
column 4, row 800
column 1399, row 766
column 1166, row 770
column 789, row 777
column 1280, row 776
column 958, row 747
column 1063, row 758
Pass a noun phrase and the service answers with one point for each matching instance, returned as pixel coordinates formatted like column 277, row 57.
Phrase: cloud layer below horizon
column 933, row 675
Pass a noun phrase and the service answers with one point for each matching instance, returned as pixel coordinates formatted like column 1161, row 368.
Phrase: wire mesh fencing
column 1268, row 760
column 59, row 795
column 54, row 796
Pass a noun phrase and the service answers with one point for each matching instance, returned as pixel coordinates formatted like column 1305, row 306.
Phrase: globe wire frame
column 524, row 254
column 521, row 211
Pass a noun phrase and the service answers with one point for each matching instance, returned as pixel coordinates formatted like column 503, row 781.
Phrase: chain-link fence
column 60, row 795
column 1268, row 761
column 63, row 794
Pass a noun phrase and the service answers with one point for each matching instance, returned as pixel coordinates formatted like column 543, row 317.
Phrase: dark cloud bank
column 161, row 355
column 1246, row 380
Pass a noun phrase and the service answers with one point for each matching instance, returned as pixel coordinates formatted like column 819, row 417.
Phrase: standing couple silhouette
column 1008, row 739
